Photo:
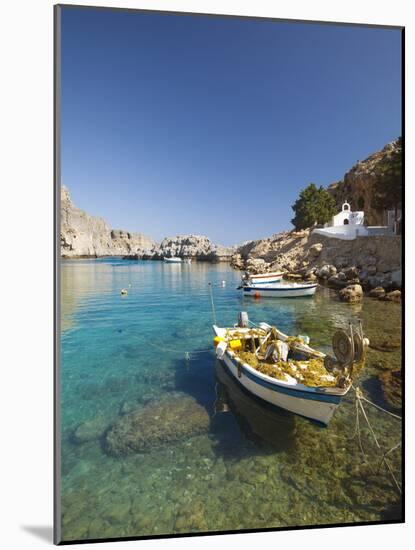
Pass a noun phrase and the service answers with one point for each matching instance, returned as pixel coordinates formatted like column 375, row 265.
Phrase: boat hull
column 281, row 292
column 173, row 260
column 310, row 404
column 265, row 278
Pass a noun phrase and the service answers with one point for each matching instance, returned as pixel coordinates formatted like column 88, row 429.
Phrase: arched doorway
column 346, row 221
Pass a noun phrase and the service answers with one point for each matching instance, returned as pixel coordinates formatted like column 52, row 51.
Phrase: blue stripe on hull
column 264, row 402
column 249, row 288
column 301, row 394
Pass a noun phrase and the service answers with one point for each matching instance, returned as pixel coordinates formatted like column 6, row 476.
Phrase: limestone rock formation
column 190, row 246
column 162, row 421
column 377, row 292
column 358, row 184
column 83, row 235
column 394, row 296
column 372, row 261
column 352, row 293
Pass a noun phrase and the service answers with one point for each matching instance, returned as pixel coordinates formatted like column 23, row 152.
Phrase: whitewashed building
column 348, row 225
column 347, row 217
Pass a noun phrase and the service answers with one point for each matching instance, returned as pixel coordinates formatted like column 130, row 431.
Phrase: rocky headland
column 85, row 236
column 196, row 247
column 88, row 236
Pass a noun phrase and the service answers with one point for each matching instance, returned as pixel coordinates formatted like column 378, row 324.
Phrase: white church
column 348, row 225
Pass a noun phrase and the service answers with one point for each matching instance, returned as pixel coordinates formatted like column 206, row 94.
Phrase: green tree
column 388, row 187
column 313, row 206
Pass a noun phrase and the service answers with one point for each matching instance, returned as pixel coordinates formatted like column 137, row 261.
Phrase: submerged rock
column 377, row 292
column 394, row 296
column 91, row 430
column 352, row 293
column 158, row 423
column 391, row 382
column 386, row 344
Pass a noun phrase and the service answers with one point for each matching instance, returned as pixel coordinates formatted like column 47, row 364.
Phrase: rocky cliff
column 85, row 236
column 357, row 186
column 190, row 246
column 374, row 261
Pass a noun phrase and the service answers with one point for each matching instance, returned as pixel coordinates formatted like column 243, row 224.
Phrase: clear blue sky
column 185, row 124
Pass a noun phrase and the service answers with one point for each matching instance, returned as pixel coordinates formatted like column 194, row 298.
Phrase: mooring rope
column 381, row 409
column 186, row 353
column 212, row 303
column 359, row 406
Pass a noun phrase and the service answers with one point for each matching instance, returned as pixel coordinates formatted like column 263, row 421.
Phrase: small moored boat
column 263, row 278
column 280, row 290
column 173, row 260
column 286, row 372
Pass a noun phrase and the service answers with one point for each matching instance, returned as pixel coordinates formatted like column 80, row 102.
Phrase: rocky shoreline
column 366, row 264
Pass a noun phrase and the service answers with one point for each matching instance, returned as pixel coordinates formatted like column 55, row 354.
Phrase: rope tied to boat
column 212, row 303
column 186, row 353
column 357, row 433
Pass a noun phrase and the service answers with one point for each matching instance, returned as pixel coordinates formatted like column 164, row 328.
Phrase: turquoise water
column 230, row 462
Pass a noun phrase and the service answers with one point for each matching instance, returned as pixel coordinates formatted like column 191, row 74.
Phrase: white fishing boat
column 286, row 372
column 280, row 290
column 263, row 278
column 173, row 260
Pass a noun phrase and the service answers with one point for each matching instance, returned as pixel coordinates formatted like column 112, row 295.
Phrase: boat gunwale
column 281, row 288
column 297, row 387
column 266, row 275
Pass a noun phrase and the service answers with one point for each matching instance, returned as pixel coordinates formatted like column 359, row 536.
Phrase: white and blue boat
column 263, row 278
column 280, row 290
column 173, row 260
column 291, row 389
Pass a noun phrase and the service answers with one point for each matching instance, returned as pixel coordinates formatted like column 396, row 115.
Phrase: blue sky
column 186, row 124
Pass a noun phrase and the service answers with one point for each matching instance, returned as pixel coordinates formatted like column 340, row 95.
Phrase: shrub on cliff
column 388, row 188
column 313, row 206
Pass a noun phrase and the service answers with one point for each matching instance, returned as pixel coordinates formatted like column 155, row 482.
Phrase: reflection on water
column 248, row 468
column 261, row 423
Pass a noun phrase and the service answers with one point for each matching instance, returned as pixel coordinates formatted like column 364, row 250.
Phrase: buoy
column 223, row 283
column 257, row 295
column 129, row 285
column 124, row 291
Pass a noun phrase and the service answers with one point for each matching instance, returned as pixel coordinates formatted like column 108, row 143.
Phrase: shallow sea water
column 254, row 466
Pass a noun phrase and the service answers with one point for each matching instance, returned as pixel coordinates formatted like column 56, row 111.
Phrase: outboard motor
column 243, row 321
